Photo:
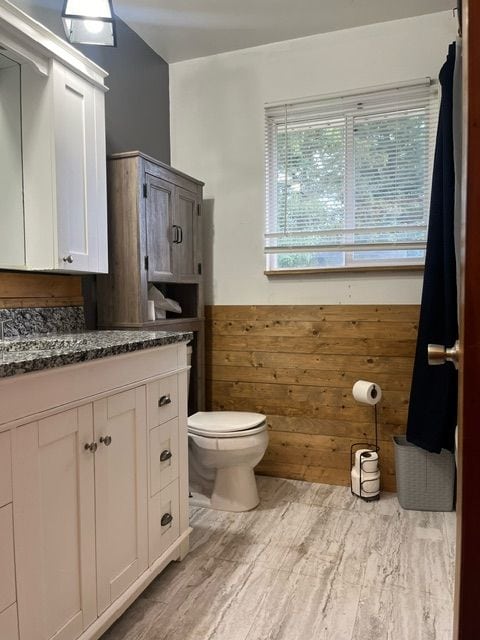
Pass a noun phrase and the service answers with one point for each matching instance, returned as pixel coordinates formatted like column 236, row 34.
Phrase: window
column 348, row 179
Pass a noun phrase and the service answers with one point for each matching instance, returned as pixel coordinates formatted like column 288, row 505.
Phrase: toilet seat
column 226, row 424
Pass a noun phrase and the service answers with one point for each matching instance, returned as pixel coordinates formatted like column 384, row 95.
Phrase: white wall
column 217, row 135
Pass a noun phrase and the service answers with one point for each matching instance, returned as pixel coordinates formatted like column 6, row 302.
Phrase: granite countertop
column 47, row 351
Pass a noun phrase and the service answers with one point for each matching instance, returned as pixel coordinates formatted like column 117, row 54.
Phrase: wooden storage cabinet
column 85, row 532
column 155, row 236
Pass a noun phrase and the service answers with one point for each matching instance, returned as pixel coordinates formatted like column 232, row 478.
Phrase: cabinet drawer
column 7, row 564
column 162, row 401
column 163, row 455
column 164, row 525
column 5, row 469
column 9, row 623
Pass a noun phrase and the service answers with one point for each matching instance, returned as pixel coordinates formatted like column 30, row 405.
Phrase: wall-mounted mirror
column 12, row 243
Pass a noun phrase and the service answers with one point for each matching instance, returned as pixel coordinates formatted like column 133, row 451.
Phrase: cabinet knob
column 91, row 446
column 166, row 519
column 165, row 455
column 68, row 259
column 164, row 400
column 107, row 440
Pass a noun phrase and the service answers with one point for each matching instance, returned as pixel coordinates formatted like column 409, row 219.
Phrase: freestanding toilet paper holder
column 365, row 479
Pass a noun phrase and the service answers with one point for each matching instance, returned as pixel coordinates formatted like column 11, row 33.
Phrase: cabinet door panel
column 162, row 533
column 5, row 469
column 120, row 493
column 163, row 456
column 54, row 521
column 185, row 217
column 80, row 172
column 7, row 563
column 159, row 220
column 9, row 623
column 162, row 399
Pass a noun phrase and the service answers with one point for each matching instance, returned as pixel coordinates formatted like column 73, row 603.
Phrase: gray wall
column 137, row 105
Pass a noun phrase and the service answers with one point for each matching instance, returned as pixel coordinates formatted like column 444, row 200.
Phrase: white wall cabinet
column 80, row 172
column 64, row 217
column 85, row 529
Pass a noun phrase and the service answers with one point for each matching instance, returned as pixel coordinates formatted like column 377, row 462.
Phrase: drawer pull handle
column 107, row 440
column 164, row 400
column 165, row 455
column 166, row 519
column 91, row 446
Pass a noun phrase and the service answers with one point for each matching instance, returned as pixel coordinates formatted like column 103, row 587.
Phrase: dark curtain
column 432, row 415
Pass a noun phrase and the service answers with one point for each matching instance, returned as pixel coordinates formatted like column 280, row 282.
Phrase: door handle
column 166, row 519
column 164, row 400
column 107, row 440
column 439, row 354
column 165, row 455
column 176, row 234
column 91, row 446
column 180, row 231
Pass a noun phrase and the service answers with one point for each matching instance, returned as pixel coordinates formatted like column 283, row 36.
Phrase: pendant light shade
column 89, row 22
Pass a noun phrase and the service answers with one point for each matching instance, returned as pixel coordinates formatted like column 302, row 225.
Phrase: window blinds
column 348, row 179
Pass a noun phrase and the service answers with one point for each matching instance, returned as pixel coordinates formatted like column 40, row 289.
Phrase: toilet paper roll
column 368, row 459
column 370, row 484
column 367, row 392
column 150, row 310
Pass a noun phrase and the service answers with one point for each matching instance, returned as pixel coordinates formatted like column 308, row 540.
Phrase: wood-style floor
column 310, row 563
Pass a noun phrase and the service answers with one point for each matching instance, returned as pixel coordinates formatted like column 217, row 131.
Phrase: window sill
column 375, row 269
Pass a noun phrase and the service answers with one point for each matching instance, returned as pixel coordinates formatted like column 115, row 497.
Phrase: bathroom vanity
column 93, row 477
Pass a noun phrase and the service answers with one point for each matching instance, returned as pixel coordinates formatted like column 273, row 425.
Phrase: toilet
column 223, row 449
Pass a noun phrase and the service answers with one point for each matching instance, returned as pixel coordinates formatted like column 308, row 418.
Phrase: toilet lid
column 221, row 422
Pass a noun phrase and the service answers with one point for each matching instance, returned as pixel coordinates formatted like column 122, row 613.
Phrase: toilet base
column 235, row 489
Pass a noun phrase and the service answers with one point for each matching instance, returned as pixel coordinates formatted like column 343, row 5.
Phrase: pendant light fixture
column 90, row 22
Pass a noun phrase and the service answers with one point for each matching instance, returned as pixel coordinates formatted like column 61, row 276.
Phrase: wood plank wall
column 297, row 364
column 19, row 290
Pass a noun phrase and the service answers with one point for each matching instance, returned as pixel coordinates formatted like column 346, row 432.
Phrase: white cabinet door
column 120, row 493
column 7, row 563
column 80, row 168
column 54, row 524
column 9, row 623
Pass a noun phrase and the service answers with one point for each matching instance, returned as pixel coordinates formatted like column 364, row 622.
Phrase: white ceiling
column 184, row 29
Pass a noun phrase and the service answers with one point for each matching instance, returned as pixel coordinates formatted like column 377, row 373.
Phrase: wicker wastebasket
column 425, row 481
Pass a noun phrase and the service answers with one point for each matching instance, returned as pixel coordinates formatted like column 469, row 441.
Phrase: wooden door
column 120, row 493
column 467, row 590
column 54, row 523
column 186, row 234
column 159, row 228
column 80, row 173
